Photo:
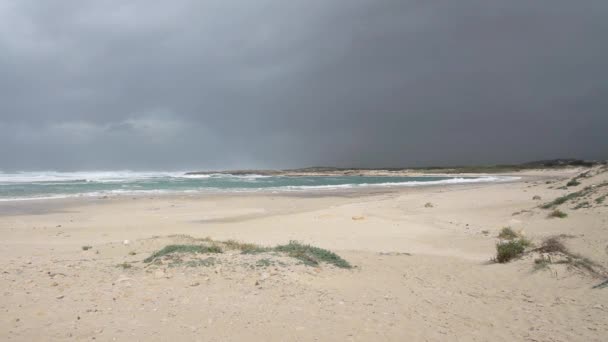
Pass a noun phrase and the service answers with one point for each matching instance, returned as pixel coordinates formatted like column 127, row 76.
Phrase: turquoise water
column 36, row 185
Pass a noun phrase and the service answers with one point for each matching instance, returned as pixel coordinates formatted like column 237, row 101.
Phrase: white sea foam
column 400, row 184
column 108, row 176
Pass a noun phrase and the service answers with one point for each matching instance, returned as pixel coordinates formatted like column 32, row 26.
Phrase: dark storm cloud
column 217, row 84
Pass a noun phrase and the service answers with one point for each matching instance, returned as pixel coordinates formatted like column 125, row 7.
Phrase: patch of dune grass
column 557, row 214
column 507, row 233
column 563, row 199
column 554, row 246
column 573, row 182
column 509, row 250
column 192, row 249
column 245, row 248
column 311, row 255
column 513, row 245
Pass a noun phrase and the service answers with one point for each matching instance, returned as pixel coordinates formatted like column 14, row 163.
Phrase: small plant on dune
column 557, row 214
column 86, row 248
column 125, row 265
column 311, row 255
column 245, row 248
column 307, row 254
column 536, row 198
column 560, row 200
column 192, row 249
column 507, row 234
column 514, row 245
column 584, row 263
column 573, row 182
column 509, row 250
column 429, row 205
column 554, row 246
column 601, row 199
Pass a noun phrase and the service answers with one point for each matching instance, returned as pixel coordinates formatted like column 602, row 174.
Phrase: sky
column 215, row 84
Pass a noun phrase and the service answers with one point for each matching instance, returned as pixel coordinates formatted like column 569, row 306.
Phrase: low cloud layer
column 213, row 84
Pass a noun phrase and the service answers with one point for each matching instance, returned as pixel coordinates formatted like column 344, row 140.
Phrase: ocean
column 48, row 185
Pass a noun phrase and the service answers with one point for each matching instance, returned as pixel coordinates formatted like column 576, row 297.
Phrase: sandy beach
column 421, row 259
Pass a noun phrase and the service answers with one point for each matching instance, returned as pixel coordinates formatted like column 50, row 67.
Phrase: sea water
column 45, row 185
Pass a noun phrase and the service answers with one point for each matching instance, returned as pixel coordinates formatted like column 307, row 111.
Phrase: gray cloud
column 210, row 84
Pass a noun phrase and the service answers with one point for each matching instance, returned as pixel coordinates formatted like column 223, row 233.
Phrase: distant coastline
column 406, row 171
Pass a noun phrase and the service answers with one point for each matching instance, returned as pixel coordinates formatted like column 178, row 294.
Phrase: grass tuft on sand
column 554, row 246
column 192, row 249
column 557, row 214
column 311, row 255
column 245, row 248
column 507, row 233
column 509, row 250
column 125, row 265
column 513, row 246
column 573, row 182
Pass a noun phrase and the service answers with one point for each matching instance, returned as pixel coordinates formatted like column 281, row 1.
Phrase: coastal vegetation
column 509, row 250
column 507, row 234
column 557, row 214
column 573, row 182
column 551, row 251
column 511, row 246
column 306, row 254
column 311, row 255
column 573, row 196
column 500, row 168
column 182, row 249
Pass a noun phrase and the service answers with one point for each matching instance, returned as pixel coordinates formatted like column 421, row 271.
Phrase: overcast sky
column 207, row 84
